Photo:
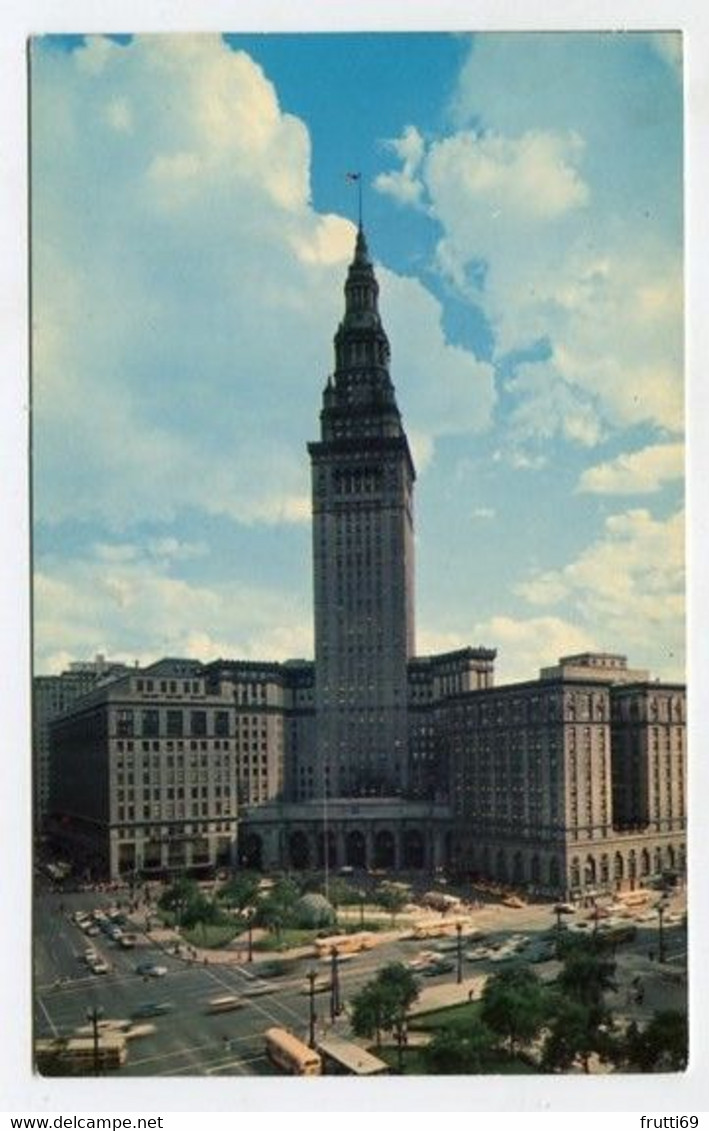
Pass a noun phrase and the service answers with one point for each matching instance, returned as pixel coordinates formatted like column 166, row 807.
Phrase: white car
column 478, row 954
column 100, row 967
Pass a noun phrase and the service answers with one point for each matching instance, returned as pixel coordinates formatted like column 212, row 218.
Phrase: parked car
column 438, row 967
column 477, row 954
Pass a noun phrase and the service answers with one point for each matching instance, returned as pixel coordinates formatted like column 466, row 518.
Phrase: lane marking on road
column 55, row 1031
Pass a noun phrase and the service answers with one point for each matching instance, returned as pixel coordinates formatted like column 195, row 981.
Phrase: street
column 189, row 1040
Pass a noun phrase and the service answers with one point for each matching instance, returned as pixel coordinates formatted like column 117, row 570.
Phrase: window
column 151, row 722
column 124, row 723
column 221, row 723
column 198, row 723
column 174, row 724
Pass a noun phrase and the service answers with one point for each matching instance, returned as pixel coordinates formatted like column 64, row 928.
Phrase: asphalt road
column 191, row 1041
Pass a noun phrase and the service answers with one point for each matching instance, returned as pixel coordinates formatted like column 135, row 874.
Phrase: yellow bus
column 344, row 944
column 78, row 1055
column 291, row 1055
column 435, row 930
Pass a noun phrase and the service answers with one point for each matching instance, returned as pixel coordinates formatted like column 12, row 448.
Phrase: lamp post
column 311, row 976
column 250, row 940
column 558, row 912
column 361, row 908
column 335, row 986
column 93, row 1014
column 459, row 933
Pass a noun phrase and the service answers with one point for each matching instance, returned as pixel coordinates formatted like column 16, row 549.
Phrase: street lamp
column 250, row 939
column 311, row 976
column 558, row 912
column 361, row 908
column 94, row 1014
column 459, row 932
column 335, row 986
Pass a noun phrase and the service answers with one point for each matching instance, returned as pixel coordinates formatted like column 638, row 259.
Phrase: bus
column 80, row 1056
column 289, row 1054
column 635, row 899
column 437, row 929
column 344, row 944
column 345, row 1058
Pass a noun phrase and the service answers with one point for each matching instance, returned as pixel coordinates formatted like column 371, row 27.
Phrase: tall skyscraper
column 363, row 558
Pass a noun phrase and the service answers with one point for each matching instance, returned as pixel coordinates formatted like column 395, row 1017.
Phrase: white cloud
column 461, row 396
column 640, row 472
column 404, row 184
column 114, row 603
column 186, row 294
column 530, row 233
column 630, row 581
column 531, row 178
column 524, row 646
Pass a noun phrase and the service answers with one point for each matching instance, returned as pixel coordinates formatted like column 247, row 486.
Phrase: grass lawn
column 288, row 938
column 454, row 1017
column 414, row 1064
column 211, row 936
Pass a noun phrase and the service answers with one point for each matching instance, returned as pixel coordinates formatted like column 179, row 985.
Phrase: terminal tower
column 363, row 559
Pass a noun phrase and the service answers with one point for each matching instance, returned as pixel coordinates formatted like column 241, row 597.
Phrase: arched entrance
column 356, row 849
column 384, row 849
column 535, row 870
column 299, row 850
column 251, row 852
column 590, row 872
column 327, row 840
column 518, row 869
column 450, row 850
column 413, row 849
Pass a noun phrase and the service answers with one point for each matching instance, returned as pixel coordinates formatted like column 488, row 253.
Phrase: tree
column 241, row 891
column 514, row 1005
column 662, row 1046
column 392, row 901
column 384, row 1003
column 179, row 897
column 277, row 909
column 587, row 974
column 459, row 1051
column 575, row 1034
column 367, row 1016
column 581, row 1023
column 339, row 892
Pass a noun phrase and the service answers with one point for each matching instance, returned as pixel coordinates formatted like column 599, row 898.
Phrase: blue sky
column 191, row 232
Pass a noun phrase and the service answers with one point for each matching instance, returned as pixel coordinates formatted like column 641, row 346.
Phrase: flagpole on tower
column 356, row 178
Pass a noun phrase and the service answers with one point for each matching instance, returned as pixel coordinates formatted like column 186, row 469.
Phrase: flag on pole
column 356, row 178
